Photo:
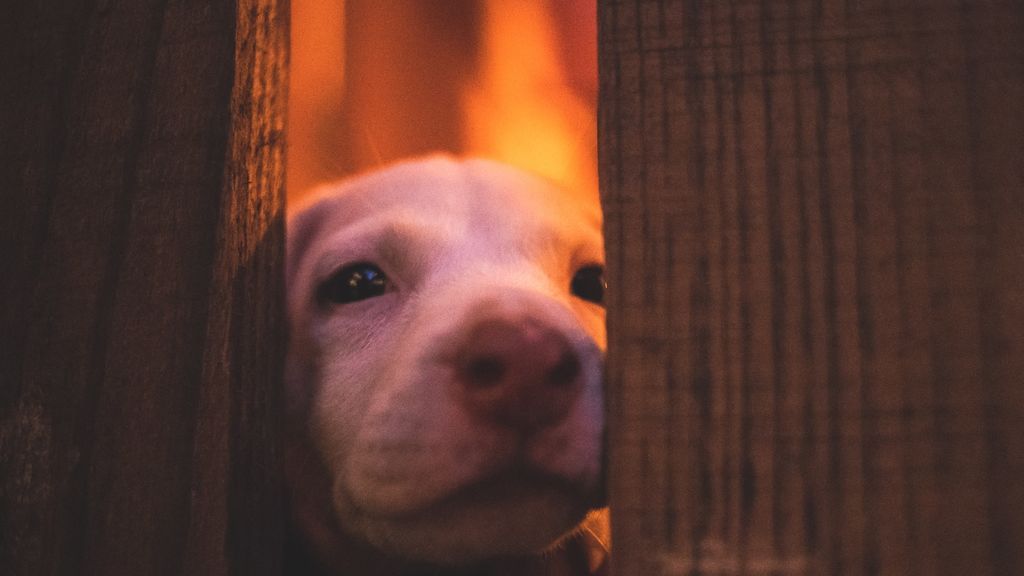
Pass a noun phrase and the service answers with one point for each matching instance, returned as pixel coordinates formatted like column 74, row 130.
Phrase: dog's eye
column 353, row 283
column 589, row 284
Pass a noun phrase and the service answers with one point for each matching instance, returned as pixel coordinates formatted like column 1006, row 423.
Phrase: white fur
column 369, row 383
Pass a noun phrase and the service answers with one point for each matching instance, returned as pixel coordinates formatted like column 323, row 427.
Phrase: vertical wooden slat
column 142, row 189
column 814, row 225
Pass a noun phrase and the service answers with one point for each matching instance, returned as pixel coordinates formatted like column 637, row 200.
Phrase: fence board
column 814, row 224
column 141, row 174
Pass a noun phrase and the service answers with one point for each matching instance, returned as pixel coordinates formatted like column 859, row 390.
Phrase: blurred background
column 373, row 82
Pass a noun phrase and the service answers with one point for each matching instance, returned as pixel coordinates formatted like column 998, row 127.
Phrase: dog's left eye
column 353, row 283
column 589, row 284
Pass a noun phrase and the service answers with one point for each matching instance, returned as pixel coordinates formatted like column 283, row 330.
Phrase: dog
column 443, row 374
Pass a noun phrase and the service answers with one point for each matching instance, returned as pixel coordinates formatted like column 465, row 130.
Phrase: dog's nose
column 518, row 373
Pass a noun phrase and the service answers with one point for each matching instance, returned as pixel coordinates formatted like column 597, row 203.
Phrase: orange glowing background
column 375, row 81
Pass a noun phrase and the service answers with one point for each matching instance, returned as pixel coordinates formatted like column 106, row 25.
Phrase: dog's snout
column 517, row 373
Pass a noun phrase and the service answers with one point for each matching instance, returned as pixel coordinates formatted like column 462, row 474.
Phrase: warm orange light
column 521, row 109
column 316, row 89
column 509, row 80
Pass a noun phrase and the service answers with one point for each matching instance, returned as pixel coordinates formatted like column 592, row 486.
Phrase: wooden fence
column 815, row 222
column 815, row 230
column 142, row 191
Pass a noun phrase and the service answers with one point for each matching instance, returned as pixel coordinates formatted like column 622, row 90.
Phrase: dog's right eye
column 353, row 283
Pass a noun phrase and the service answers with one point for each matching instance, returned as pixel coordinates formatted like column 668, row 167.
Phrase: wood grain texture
column 815, row 231
column 141, row 174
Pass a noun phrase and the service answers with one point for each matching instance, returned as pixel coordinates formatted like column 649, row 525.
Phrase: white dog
column 444, row 372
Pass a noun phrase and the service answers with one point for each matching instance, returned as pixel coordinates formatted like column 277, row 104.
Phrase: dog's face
column 445, row 358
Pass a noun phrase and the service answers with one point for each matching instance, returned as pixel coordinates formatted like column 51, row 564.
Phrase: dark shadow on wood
column 141, row 177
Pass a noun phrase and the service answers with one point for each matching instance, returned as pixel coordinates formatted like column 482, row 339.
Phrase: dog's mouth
column 517, row 512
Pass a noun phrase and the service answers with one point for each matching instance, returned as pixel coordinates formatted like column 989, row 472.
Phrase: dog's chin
column 507, row 516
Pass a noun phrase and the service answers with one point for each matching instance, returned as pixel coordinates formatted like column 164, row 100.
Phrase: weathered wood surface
column 141, row 177
column 815, row 228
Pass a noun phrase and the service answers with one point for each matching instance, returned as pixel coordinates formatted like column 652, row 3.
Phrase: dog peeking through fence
column 445, row 407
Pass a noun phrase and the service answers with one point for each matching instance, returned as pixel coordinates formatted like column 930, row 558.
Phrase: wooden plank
column 142, row 182
column 814, row 225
